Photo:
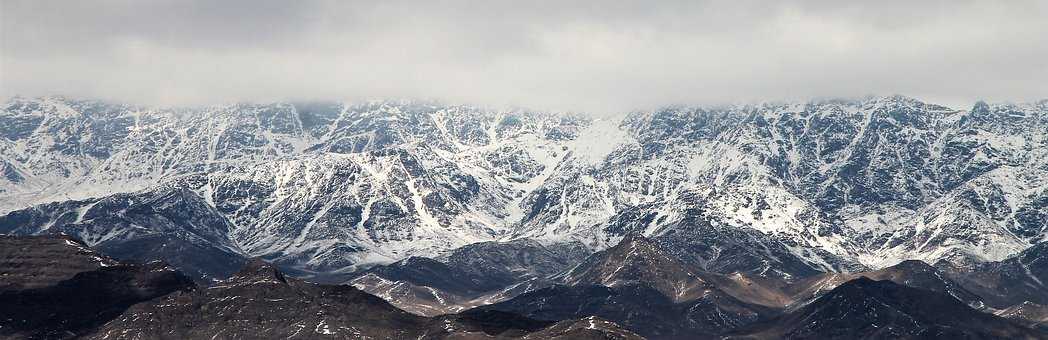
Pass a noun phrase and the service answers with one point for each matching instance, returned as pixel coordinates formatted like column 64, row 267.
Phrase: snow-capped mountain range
column 780, row 189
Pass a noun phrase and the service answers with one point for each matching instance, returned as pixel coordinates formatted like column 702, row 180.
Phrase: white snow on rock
column 331, row 187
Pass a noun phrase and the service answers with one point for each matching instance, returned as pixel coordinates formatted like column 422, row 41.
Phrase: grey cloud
column 41, row 28
column 602, row 56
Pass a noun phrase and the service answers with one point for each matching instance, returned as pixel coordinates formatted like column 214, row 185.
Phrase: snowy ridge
column 328, row 187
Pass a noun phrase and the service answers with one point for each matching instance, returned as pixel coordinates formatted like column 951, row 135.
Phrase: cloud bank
column 596, row 56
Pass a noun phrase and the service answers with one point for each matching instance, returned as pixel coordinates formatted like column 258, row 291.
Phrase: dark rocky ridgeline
column 260, row 302
column 472, row 275
column 644, row 288
column 868, row 309
column 635, row 307
column 637, row 285
column 421, row 285
column 55, row 288
column 1017, row 287
column 41, row 261
column 506, row 263
column 589, row 328
column 911, row 273
column 1009, row 282
column 634, row 259
column 489, row 324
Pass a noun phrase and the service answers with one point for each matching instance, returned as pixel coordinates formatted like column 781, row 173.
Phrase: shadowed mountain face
column 505, row 263
column 1014, row 288
column 638, row 308
column 912, row 273
column 473, row 275
column 630, row 290
column 1019, row 279
column 259, row 302
column 425, row 286
column 483, row 267
column 637, row 285
column 635, row 260
column 54, row 287
column 67, row 290
column 41, row 261
column 642, row 287
column 868, row 309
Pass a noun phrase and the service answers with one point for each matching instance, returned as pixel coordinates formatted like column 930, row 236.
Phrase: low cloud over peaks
column 593, row 56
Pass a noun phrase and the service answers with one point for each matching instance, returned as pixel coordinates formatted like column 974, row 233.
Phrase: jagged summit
column 257, row 270
column 636, row 259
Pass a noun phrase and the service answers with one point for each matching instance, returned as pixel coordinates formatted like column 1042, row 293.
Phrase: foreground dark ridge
column 260, row 302
column 645, row 289
column 868, row 309
column 56, row 288
column 635, row 284
column 66, row 290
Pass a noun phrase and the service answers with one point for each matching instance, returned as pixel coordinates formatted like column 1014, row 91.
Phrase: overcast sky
column 599, row 56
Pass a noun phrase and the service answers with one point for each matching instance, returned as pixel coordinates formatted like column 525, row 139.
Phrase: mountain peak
column 636, row 259
column 45, row 260
column 258, row 270
column 980, row 108
column 635, row 249
column 911, row 273
column 913, row 265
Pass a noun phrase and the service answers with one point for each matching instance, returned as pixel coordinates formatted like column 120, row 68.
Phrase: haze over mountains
column 684, row 222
